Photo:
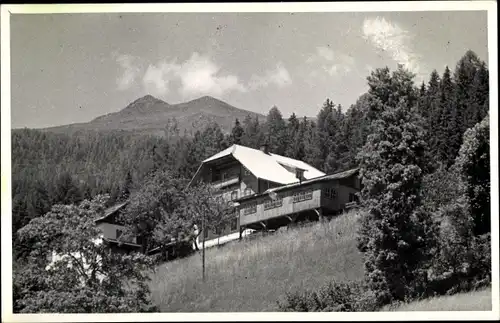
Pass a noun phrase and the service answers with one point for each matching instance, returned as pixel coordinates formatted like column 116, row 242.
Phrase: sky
column 68, row 68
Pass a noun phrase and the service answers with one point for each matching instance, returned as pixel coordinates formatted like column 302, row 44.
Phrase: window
column 330, row 193
column 353, row 197
column 271, row 204
column 216, row 176
column 118, row 233
column 250, row 208
column 234, row 224
column 234, row 195
column 302, row 196
column 248, row 191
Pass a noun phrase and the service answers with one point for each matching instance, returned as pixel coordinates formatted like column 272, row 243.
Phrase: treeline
column 49, row 168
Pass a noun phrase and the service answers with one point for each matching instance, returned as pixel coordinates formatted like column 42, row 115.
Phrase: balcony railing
column 226, row 182
column 351, row 205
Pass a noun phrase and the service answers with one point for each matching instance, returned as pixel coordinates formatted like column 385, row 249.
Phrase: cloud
column 197, row 75
column 157, row 78
column 331, row 61
column 130, row 71
column 279, row 77
column 200, row 75
column 393, row 39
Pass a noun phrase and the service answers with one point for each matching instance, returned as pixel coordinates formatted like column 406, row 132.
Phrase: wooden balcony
column 226, row 182
column 286, row 206
column 265, row 209
column 351, row 205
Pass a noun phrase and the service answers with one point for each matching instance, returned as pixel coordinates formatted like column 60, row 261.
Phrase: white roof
column 267, row 166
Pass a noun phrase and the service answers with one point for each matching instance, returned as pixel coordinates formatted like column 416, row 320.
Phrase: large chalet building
column 271, row 191
column 268, row 190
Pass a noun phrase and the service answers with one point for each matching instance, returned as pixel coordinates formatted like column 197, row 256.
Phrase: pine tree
column 126, row 187
column 433, row 108
column 294, row 137
column 66, row 190
column 479, row 95
column 464, row 75
column 253, row 135
column 312, row 155
column 236, row 133
column 449, row 121
column 276, row 131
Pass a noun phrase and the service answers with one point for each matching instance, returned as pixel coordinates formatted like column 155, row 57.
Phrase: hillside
column 479, row 300
column 149, row 115
column 252, row 275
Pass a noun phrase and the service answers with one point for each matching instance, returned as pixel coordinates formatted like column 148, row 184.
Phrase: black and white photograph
column 250, row 161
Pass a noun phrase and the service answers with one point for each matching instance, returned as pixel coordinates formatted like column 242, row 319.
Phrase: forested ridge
column 52, row 168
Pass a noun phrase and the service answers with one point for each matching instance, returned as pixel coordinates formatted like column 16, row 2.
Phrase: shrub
column 463, row 261
column 333, row 297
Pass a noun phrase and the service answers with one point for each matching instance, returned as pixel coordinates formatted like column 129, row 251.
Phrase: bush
column 334, row 297
column 463, row 261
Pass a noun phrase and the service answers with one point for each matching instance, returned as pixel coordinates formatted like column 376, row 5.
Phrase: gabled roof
column 266, row 166
column 109, row 211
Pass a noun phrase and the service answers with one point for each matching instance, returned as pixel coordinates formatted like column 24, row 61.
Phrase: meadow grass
column 251, row 275
column 480, row 300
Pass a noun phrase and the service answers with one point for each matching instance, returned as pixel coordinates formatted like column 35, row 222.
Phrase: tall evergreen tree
column 126, row 187
column 394, row 235
column 449, row 122
column 463, row 76
column 293, row 136
column 312, row 155
column 479, row 95
column 433, row 111
column 253, row 134
column 236, row 133
column 276, row 131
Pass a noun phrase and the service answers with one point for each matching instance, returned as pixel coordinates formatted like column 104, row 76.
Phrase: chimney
column 299, row 174
column 264, row 148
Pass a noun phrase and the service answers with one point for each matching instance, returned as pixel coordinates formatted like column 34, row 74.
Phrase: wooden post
column 203, row 247
column 241, row 233
column 319, row 211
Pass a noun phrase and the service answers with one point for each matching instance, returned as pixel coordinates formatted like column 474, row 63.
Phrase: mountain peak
column 147, row 99
column 207, row 98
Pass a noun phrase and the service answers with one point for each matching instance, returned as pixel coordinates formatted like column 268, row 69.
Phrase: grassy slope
column 480, row 300
column 253, row 275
